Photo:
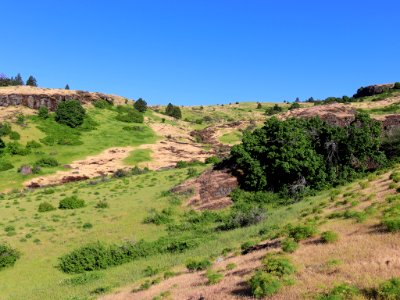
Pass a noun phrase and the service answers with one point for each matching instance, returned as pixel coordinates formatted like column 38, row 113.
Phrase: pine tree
column 18, row 80
column 31, row 81
column 67, row 87
column 176, row 113
column 140, row 105
column 169, row 109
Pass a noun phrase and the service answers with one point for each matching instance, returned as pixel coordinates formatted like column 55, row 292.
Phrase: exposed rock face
column 33, row 97
column 209, row 191
column 373, row 90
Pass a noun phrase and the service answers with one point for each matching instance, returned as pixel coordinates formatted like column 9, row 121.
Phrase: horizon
column 203, row 52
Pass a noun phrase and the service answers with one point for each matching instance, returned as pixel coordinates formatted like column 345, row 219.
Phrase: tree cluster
column 70, row 113
column 17, row 80
column 296, row 155
column 140, row 105
column 173, row 111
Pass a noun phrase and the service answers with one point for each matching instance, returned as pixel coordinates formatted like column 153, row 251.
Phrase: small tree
column 176, row 113
column 259, row 105
column 140, row 105
column 70, row 113
column 294, row 105
column 67, row 87
column 397, row 85
column 18, row 80
column 43, row 112
column 31, row 81
column 169, row 109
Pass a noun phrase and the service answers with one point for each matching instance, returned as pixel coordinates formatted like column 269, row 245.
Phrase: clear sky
column 203, row 51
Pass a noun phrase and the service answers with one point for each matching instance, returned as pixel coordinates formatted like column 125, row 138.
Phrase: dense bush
column 296, row 155
column 15, row 148
column 329, row 237
column 276, row 109
column 102, row 104
column 99, row 256
column 47, row 162
column 264, row 285
column 140, row 105
column 173, row 111
column 278, row 266
column 212, row 160
column 72, row 202
column 45, row 206
column 341, row 292
column 14, row 136
column 244, row 214
column 198, row 265
column 5, row 165
column 294, row 105
column 8, row 256
column 301, row 232
column 43, row 112
column 289, row 245
column 397, row 85
column 70, row 113
column 130, row 116
column 2, row 144
column 391, row 218
column 389, row 290
column 33, row 145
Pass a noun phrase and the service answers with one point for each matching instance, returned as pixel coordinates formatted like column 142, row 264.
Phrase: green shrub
column 213, row 160
column 264, row 285
column 130, row 116
column 242, row 215
column 102, row 204
column 43, row 112
column 87, row 226
column 8, row 256
column 140, row 105
column 278, row 266
column 47, row 162
column 198, row 265
column 389, row 290
column 72, row 202
column 83, row 278
column 173, row 111
column 45, row 206
column 158, row 218
column 33, row 145
column 213, row 277
column 5, row 129
column 391, row 218
column 329, row 237
column 289, row 245
column 231, row 266
column 15, row 148
column 102, row 104
column 70, row 113
column 14, row 136
column 302, row 232
column 397, row 86
column 5, row 165
column 342, row 291
column 191, row 172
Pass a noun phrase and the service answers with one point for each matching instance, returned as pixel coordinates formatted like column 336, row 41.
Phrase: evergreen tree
column 169, row 109
column 31, row 81
column 176, row 112
column 140, row 105
column 18, row 80
column 67, row 87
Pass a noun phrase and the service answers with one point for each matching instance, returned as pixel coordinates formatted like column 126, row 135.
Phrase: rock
column 25, row 170
column 373, row 90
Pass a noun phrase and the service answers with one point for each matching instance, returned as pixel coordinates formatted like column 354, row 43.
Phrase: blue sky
column 203, row 51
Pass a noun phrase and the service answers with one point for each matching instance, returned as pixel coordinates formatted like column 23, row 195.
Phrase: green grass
column 231, row 137
column 43, row 237
column 109, row 133
column 137, row 156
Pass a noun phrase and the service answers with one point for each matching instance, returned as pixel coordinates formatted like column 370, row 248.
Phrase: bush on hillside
column 140, row 105
column 278, row 266
column 130, row 116
column 341, row 291
column 5, row 165
column 47, row 162
column 72, row 202
column 296, row 155
column 198, row 265
column 276, row 109
column 5, row 129
column 43, row 112
column 2, row 144
column 389, row 289
column 33, row 145
column 70, row 113
column 294, row 105
column 173, row 111
column 15, row 148
column 243, row 215
column 289, row 245
column 264, row 285
column 102, row 104
column 397, row 85
column 8, row 256
column 45, row 206
column 301, row 232
column 329, row 237
column 14, row 136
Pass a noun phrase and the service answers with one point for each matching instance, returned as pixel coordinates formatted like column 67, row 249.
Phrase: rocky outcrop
column 373, row 90
column 36, row 97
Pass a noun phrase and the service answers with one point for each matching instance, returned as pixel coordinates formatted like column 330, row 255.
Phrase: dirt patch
column 105, row 163
column 209, row 191
column 10, row 113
